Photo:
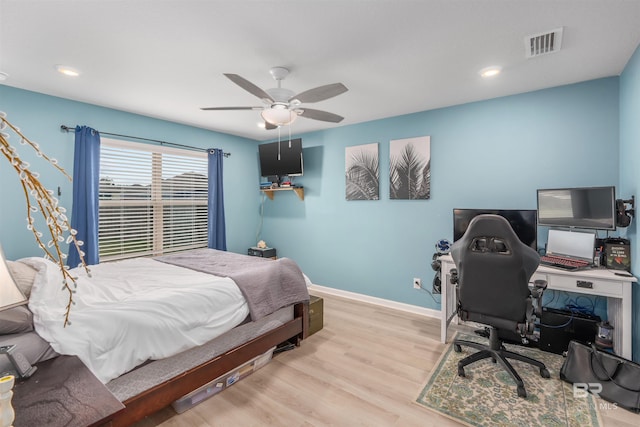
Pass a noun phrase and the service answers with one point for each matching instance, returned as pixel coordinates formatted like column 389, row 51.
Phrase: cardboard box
column 618, row 256
column 316, row 306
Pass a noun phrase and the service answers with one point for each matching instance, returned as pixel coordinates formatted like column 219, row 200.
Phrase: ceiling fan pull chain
column 279, row 142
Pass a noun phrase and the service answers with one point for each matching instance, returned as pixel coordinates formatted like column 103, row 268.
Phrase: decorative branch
column 40, row 199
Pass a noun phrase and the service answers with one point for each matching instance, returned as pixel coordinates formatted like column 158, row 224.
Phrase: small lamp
column 279, row 115
column 10, row 294
column 7, row 414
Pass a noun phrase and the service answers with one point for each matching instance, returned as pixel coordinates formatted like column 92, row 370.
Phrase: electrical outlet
column 417, row 283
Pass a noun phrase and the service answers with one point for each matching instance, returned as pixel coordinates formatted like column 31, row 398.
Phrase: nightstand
column 316, row 316
column 63, row 392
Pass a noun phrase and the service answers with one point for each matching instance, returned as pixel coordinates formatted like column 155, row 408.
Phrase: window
column 153, row 200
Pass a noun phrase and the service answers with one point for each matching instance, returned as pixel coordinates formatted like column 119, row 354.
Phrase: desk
column 603, row 282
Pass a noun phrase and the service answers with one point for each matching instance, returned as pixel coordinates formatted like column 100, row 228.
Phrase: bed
column 264, row 303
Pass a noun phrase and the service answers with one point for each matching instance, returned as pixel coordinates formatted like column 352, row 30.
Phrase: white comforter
column 132, row 311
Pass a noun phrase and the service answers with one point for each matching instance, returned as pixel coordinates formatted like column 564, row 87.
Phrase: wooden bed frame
column 162, row 395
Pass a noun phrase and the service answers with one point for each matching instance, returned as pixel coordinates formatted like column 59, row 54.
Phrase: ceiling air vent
column 543, row 43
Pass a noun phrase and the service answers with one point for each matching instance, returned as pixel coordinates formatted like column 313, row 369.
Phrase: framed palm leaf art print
column 362, row 172
column 410, row 168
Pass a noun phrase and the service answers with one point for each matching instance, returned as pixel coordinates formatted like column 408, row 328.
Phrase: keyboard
column 563, row 263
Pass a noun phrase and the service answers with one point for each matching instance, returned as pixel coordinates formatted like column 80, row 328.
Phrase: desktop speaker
column 622, row 218
column 558, row 327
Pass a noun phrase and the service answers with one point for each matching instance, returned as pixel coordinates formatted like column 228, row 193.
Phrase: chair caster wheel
column 457, row 348
column 544, row 373
column 522, row 392
column 461, row 372
column 494, row 360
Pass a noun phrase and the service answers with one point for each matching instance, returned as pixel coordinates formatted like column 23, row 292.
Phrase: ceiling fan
column 283, row 106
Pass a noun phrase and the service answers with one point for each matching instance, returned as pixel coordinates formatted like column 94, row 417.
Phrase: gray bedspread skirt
column 157, row 372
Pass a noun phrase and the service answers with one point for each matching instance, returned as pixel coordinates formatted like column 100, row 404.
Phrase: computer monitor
column 583, row 207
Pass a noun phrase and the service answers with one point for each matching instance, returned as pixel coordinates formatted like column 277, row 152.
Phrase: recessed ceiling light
column 490, row 71
column 67, row 71
column 3, row 76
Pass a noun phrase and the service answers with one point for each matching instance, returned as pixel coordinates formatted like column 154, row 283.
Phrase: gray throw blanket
column 267, row 285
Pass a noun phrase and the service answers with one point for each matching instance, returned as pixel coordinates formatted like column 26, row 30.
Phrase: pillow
column 16, row 320
column 23, row 274
column 30, row 345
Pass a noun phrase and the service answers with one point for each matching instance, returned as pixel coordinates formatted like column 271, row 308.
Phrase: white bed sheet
column 131, row 311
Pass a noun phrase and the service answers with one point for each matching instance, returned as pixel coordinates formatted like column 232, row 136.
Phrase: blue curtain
column 216, row 227
column 86, row 180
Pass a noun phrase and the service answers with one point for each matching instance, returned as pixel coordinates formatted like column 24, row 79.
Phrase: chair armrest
column 453, row 274
column 540, row 283
column 539, row 287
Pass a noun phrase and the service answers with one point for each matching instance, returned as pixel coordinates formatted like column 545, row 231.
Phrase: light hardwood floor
column 364, row 368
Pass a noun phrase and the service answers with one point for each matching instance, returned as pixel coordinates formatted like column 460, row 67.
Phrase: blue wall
column 490, row 154
column 629, row 172
column 40, row 116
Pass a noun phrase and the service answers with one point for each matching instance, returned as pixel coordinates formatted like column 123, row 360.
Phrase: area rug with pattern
column 487, row 395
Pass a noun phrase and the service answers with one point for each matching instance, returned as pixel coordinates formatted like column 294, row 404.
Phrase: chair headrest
column 490, row 233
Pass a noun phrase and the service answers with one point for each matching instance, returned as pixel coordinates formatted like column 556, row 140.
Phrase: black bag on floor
column 612, row 377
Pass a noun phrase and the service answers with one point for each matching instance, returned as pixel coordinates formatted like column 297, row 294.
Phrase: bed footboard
column 158, row 397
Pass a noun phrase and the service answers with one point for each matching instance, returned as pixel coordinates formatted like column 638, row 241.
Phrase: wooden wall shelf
column 270, row 191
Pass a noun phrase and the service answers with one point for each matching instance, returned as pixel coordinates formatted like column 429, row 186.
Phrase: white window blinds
column 153, row 200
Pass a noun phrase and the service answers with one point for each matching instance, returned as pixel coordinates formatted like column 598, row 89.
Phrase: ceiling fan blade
column 321, row 93
column 231, row 108
column 320, row 115
column 269, row 126
column 250, row 87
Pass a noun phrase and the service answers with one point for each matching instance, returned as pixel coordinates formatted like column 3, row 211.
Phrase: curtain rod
column 189, row 147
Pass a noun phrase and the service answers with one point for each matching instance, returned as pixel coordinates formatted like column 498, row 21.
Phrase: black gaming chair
column 493, row 269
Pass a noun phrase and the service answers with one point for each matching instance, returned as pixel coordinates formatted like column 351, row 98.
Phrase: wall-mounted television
column 523, row 222
column 281, row 158
column 581, row 207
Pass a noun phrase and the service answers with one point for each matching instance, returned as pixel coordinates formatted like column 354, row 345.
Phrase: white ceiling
column 166, row 59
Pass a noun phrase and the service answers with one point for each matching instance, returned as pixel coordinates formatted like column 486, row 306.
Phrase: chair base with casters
column 498, row 353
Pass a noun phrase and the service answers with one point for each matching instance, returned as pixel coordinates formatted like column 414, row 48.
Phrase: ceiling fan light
column 279, row 116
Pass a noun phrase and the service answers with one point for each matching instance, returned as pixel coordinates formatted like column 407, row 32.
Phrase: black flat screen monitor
column 523, row 222
column 283, row 158
column 585, row 207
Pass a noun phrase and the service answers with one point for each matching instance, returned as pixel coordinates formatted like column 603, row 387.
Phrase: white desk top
column 595, row 273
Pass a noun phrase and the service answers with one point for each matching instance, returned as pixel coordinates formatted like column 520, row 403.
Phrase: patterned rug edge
column 594, row 413
column 430, row 378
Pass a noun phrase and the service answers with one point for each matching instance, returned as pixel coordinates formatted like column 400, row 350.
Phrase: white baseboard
column 414, row 309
